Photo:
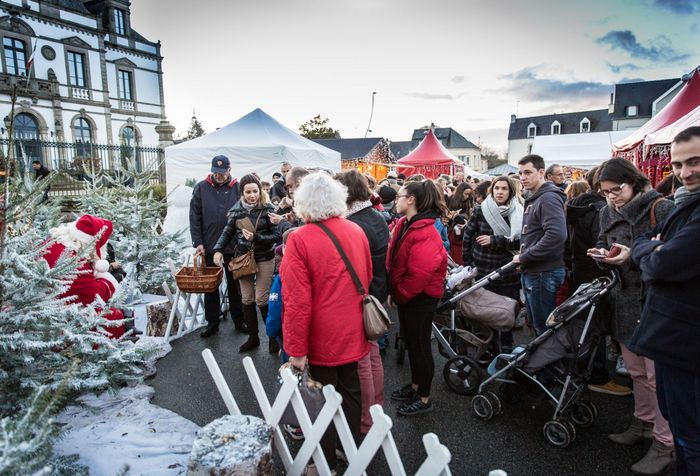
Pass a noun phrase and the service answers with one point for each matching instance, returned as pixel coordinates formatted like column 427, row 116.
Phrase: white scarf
column 357, row 206
column 495, row 214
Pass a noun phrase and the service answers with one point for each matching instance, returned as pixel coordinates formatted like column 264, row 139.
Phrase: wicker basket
column 199, row 278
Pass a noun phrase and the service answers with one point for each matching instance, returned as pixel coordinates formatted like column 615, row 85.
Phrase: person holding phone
column 633, row 209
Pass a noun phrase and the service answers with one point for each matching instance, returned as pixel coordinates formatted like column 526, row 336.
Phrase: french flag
column 30, row 61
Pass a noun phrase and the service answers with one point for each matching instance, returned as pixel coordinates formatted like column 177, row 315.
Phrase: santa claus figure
column 93, row 277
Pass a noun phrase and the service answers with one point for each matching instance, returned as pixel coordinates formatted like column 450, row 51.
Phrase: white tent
column 583, row 151
column 254, row 143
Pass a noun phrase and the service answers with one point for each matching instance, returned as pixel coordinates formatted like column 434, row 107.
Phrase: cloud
column 457, row 79
column 448, row 97
column 659, row 49
column 695, row 28
column 528, row 86
column 682, row 7
column 618, row 68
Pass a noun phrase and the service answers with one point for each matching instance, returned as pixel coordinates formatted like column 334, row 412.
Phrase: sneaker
column 415, row 407
column 405, row 394
column 611, row 388
column 620, row 367
column 294, row 432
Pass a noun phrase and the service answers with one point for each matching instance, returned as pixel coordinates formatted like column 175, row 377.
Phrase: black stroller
column 558, row 363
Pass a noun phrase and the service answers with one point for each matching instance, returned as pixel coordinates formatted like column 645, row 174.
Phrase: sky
column 465, row 64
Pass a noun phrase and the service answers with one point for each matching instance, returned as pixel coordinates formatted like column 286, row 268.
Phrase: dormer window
column 585, row 125
column 531, row 130
column 632, row 111
column 556, row 128
column 119, row 22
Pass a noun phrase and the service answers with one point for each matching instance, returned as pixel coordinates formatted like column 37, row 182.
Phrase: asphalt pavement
column 512, row 441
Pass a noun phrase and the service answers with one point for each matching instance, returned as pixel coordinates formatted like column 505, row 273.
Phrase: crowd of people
column 314, row 235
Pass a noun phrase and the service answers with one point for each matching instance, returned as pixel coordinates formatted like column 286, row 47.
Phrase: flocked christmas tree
column 51, row 349
column 135, row 206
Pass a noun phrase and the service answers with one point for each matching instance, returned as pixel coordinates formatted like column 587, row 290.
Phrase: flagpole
column 30, row 64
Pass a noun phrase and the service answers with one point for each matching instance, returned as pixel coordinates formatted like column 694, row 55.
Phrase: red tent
column 430, row 158
column 648, row 147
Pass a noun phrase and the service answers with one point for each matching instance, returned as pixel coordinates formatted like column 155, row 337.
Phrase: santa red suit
column 93, row 277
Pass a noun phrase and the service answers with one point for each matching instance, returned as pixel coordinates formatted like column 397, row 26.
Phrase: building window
column 119, row 25
column 76, row 69
column 15, row 58
column 125, row 85
column 632, row 111
column 82, row 135
column 556, row 128
column 128, row 136
column 531, row 130
column 585, row 125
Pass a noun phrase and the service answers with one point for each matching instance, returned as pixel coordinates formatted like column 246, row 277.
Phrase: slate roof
column 503, row 169
column 401, row 149
column 75, row 5
column 641, row 94
column 350, row 148
column 449, row 137
column 601, row 121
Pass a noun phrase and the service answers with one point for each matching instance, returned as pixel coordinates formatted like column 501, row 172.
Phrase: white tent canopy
column 577, row 150
column 254, row 143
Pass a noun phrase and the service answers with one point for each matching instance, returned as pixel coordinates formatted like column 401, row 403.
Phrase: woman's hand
column 597, row 254
column 483, row 240
column 298, row 362
column 248, row 235
column 618, row 258
column 275, row 218
column 218, row 258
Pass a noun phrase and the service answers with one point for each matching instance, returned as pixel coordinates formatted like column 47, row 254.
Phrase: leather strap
column 652, row 213
column 348, row 265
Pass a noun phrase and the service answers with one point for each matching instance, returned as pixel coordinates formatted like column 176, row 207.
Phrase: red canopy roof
column 687, row 99
column 430, row 158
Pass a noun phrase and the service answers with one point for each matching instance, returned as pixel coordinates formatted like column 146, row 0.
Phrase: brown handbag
column 245, row 265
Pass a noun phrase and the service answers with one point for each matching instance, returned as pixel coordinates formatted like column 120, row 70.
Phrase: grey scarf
column 494, row 217
column 683, row 194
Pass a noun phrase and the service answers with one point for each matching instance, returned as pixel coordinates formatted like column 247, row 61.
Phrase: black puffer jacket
column 266, row 234
column 377, row 232
column 582, row 216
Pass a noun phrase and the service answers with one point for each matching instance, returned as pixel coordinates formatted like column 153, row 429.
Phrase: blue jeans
column 678, row 392
column 540, row 291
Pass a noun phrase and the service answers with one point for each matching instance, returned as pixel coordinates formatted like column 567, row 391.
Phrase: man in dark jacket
column 40, row 173
column 669, row 330
column 542, row 241
column 211, row 200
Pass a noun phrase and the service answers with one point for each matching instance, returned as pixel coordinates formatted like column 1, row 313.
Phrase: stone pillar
column 165, row 132
column 232, row 445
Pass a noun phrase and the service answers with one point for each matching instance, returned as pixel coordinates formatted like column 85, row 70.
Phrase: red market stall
column 649, row 146
column 430, row 159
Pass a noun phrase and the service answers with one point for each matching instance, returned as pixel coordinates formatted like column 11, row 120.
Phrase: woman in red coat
column 322, row 322
column 417, row 263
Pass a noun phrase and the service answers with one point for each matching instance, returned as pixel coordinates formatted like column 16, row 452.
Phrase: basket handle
column 197, row 263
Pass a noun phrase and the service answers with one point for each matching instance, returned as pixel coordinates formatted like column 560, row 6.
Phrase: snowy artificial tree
column 129, row 201
column 51, row 349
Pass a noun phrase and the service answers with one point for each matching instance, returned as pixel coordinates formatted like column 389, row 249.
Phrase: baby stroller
column 557, row 363
column 468, row 339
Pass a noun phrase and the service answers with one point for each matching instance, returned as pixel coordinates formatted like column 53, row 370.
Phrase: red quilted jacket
column 416, row 260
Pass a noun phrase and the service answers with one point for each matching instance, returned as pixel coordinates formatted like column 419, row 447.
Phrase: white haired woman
column 322, row 323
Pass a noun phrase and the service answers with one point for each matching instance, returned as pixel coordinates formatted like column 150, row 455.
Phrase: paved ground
column 512, row 441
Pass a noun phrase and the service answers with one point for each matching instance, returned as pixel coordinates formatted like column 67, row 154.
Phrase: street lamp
column 371, row 113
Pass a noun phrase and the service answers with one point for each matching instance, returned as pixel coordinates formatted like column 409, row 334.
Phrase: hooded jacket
column 208, row 207
column 544, row 230
column 416, row 260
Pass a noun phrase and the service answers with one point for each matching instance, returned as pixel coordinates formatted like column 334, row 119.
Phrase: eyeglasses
column 613, row 191
column 402, row 195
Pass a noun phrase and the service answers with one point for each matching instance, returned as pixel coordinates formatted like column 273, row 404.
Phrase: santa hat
column 85, row 228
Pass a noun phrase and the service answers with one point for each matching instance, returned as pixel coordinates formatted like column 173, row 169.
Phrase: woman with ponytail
column 417, row 263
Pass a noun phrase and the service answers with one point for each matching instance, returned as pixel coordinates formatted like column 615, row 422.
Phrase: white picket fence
column 378, row 437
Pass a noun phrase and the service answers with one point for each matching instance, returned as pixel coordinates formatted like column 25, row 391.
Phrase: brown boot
column 250, row 316
column 656, row 460
column 637, row 432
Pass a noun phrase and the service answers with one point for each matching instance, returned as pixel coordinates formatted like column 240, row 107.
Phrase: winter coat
column 277, row 190
column 377, row 233
column 544, row 230
column 583, row 219
column 488, row 258
column 208, row 207
column 416, row 260
column 444, row 235
column 322, row 307
column 264, row 240
column 273, row 320
column 669, row 331
column 623, row 226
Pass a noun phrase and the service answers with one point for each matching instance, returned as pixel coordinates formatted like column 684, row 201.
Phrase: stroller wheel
column 558, row 434
column 495, row 401
column 482, row 407
column 462, row 375
column 584, row 414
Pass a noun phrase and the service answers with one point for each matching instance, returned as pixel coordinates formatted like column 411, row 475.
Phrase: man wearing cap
column 211, row 200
